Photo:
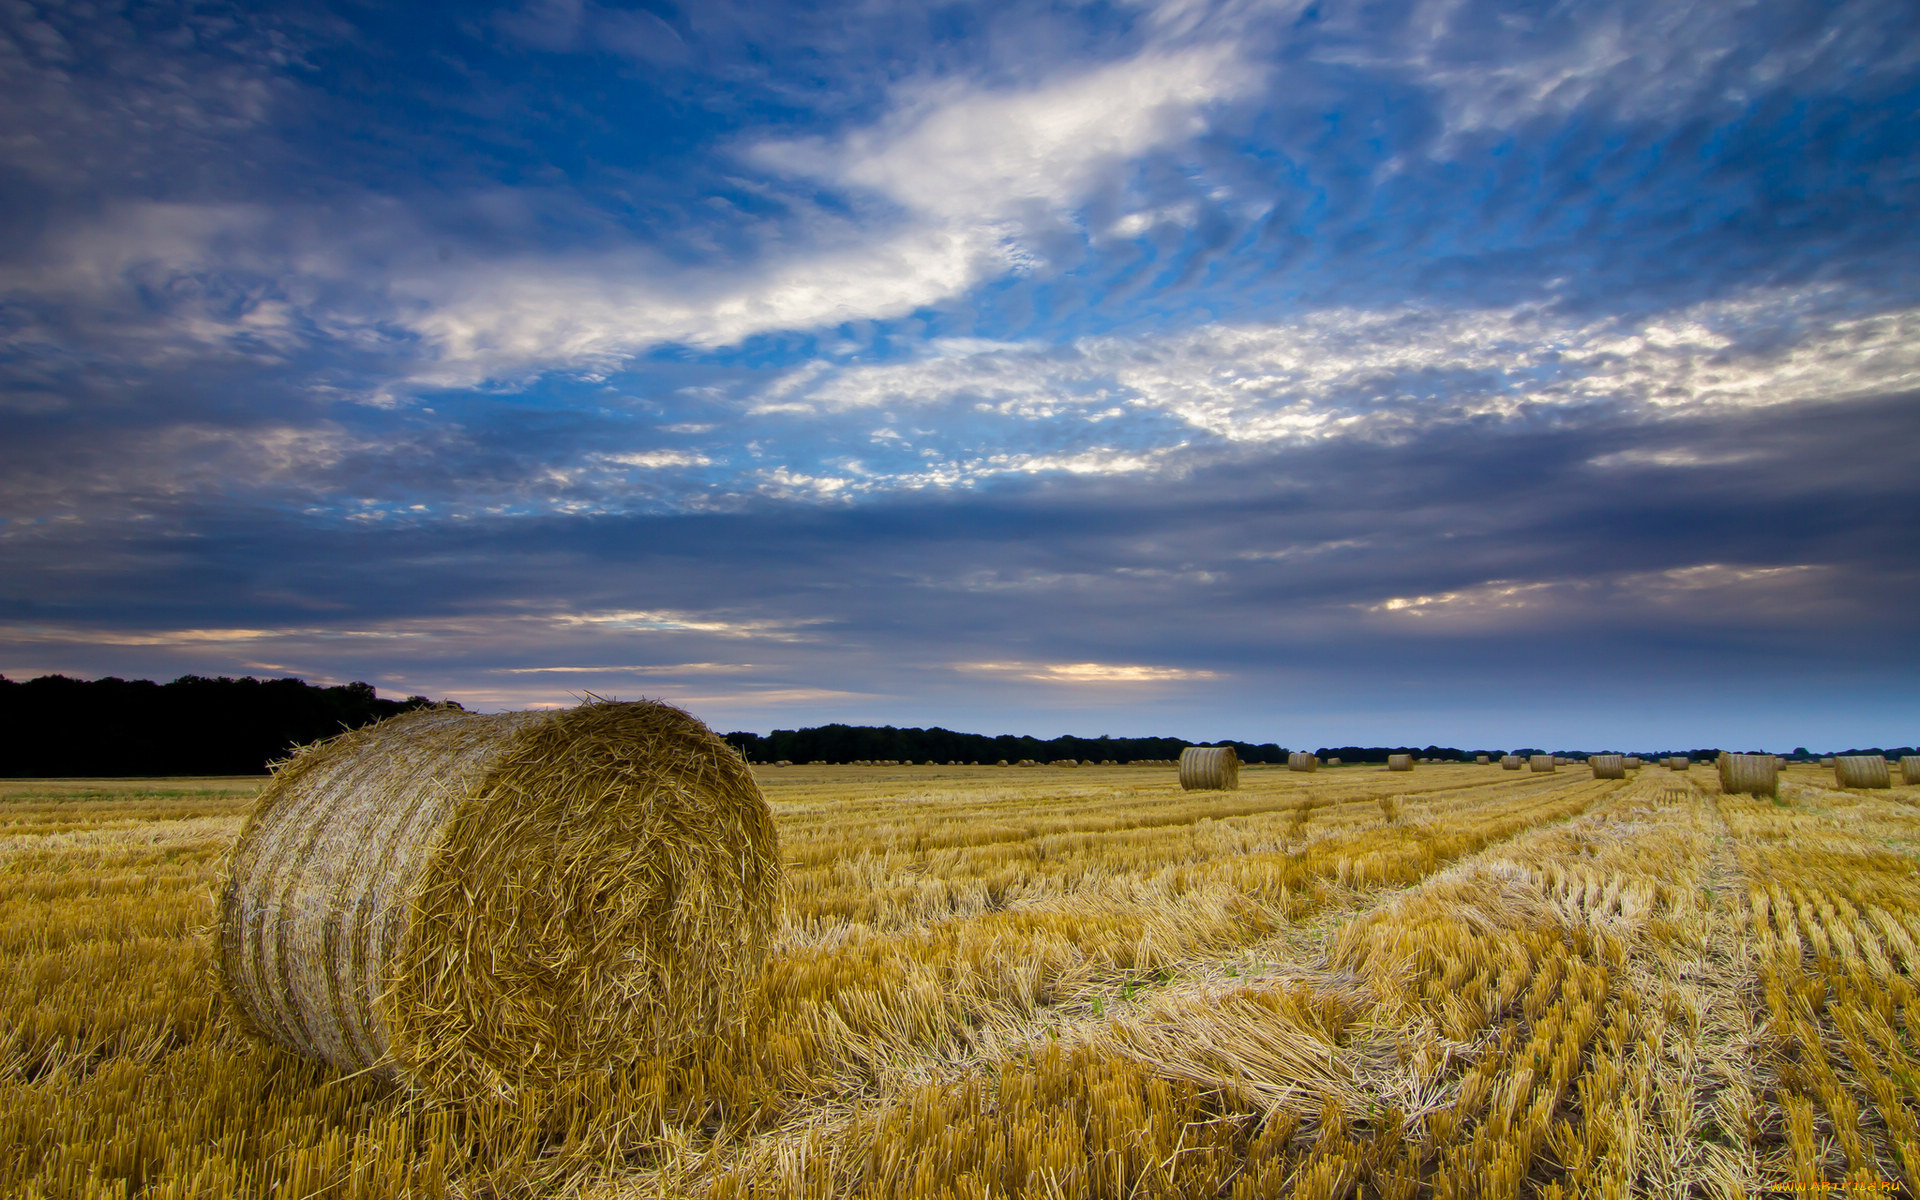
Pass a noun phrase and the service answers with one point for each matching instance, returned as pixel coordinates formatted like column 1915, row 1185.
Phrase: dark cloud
column 1763, row 550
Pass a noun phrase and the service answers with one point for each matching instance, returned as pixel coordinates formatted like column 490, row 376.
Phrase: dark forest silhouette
column 55, row 726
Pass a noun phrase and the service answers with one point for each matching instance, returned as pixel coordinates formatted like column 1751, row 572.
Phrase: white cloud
column 1086, row 672
column 969, row 158
column 692, row 668
column 667, row 621
column 654, row 460
column 1716, row 593
column 960, row 172
column 1639, row 60
column 1354, row 372
column 1674, row 457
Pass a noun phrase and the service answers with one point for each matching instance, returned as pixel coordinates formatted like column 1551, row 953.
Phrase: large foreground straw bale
column 1300, row 760
column 1754, row 774
column 1542, row 762
column 1608, row 766
column 1910, row 769
column 1209, row 767
column 1862, row 771
column 490, row 905
column 1511, row 762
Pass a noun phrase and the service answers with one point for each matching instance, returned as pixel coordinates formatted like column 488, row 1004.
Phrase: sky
column 1422, row 371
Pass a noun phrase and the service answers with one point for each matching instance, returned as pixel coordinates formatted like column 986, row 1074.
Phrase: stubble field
column 1456, row 982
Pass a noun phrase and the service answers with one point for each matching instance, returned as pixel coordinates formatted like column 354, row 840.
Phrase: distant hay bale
column 785, row 762
column 1483, row 759
column 1827, row 761
column 1862, row 771
column 1632, row 762
column 1679, row 762
column 488, row 905
column 1399, row 762
column 1561, row 760
column 1510, row 762
column 1209, row 768
column 1001, row 763
column 1753, row 774
column 1066, row 762
column 1300, row 760
column 1542, row 762
column 1608, row 766
column 1334, row 761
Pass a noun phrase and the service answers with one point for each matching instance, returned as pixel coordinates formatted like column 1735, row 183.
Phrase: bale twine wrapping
column 1209, row 768
column 1753, row 774
column 1542, row 762
column 1862, row 771
column 1510, row 762
column 1608, row 766
column 1300, row 760
column 490, row 905
column 1399, row 762
column 1910, row 769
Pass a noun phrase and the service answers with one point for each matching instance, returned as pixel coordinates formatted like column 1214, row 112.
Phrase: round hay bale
column 1862, row 771
column 1483, row 759
column 1910, row 769
column 1300, row 760
column 1209, row 768
column 1334, row 761
column 1608, row 766
column 1827, row 761
column 1679, row 762
column 1632, row 762
column 1511, row 762
column 1543, row 763
column 489, row 905
column 1753, row 774
column 1399, row 762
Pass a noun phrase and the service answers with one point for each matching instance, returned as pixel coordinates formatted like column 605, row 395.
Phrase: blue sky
column 1309, row 372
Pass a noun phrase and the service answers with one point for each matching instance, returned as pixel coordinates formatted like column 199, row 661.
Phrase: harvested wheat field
column 1461, row 981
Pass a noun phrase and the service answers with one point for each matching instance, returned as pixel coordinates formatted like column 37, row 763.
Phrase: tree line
column 867, row 743
column 55, row 726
